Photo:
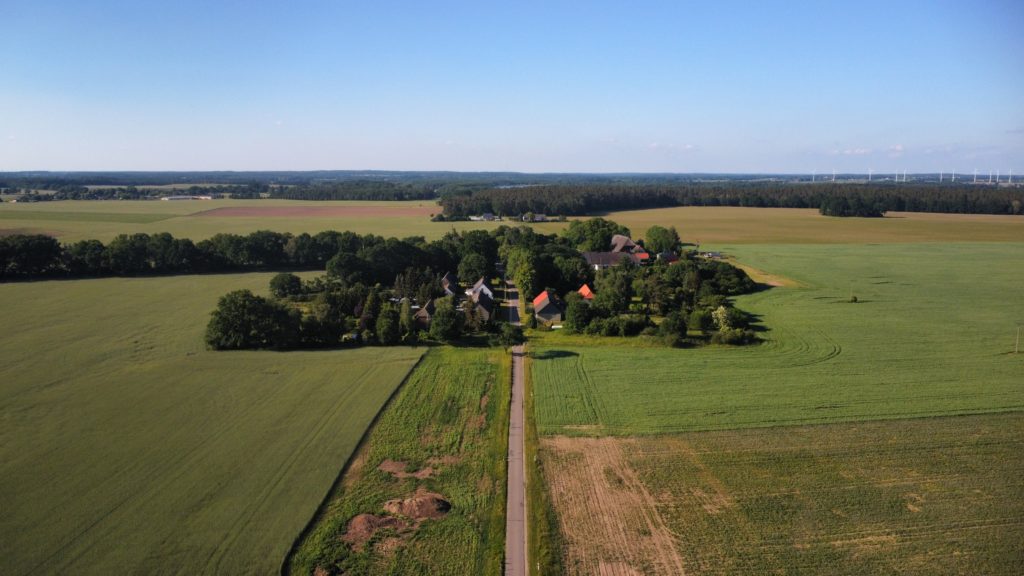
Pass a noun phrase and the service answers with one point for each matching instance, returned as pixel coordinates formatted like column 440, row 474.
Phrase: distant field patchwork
column 128, row 448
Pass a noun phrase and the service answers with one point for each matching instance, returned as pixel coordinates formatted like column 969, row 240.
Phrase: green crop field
column 932, row 334
column 870, row 438
column 714, row 225
column 923, row 496
column 125, row 447
column 449, row 423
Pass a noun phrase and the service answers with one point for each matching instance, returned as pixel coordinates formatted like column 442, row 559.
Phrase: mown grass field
column 125, row 447
column 932, row 335
column 451, row 417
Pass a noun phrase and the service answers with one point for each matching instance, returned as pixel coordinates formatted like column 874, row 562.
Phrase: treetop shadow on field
column 553, row 354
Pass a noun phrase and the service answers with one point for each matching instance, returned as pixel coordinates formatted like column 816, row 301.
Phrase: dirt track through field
column 424, row 210
column 608, row 518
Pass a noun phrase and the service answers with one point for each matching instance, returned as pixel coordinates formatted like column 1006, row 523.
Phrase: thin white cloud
column 896, row 150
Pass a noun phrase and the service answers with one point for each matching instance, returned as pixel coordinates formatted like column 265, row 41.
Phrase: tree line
column 582, row 199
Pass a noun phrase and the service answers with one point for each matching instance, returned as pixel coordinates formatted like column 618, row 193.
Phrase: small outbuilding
column 548, row 308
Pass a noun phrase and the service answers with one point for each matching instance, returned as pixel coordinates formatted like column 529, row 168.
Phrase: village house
column 424, row 315
column 586, row 292
column 450, row 284
column 483, row 305
column 602, row 260
column 548, row 308
column 482, row 285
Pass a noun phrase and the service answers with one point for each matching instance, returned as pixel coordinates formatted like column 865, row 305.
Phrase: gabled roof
column 483, row 300
column 622, row 243
column 449, row 279
column 545, row 299
column 604, row 259
column 540, row 299
column 586, row 292
column 640, row 257
column 426, row 311
column 481, row 283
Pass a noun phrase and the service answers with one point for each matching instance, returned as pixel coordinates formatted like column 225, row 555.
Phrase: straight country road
column 515, row 515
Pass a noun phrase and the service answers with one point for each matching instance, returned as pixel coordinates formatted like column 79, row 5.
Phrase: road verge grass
column 544, row 542
column 445, row 432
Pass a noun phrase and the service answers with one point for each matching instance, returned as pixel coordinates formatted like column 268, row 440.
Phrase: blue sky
column 758, row 86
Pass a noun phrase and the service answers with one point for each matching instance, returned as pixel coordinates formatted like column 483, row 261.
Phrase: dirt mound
column 420, row 506
column 364, row 526
column 397, row 469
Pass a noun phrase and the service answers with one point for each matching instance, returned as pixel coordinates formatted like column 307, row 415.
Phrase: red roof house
column 586, row 292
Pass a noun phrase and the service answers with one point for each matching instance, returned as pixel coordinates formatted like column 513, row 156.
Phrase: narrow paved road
column 515, row 515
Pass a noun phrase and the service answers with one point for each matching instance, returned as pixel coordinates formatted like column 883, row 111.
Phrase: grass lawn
column 128, row 448
column 449, row 423
column 932, row 334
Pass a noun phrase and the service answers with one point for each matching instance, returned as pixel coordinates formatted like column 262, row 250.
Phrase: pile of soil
column 364, row 526
column 420, row 506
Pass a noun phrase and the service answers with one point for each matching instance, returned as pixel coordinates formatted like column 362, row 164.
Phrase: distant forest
column 511, row 194
column 832, row 199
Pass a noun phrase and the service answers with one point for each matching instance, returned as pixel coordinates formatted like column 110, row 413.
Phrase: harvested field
column 924, row 496
column 609, row 521
column 403, row 210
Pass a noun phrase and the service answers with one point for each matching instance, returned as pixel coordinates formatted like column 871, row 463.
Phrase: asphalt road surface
column 515, row 515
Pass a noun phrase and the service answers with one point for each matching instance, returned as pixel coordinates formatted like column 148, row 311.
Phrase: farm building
column 668, row 257
column 621, row 243
column 547, row 307
column 586, row 292
column 423, row 316
column 602, row 260
column 482, row 285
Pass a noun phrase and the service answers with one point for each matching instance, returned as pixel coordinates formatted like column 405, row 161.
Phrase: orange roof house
column 586, row 292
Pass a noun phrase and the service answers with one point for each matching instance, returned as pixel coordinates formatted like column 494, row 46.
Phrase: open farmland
column 102, row 220
column 444, row 434
column 871, row 438
column 924, row 496
column 72, row 220
column 128, row 448
column 932, row 335
column 736, row 225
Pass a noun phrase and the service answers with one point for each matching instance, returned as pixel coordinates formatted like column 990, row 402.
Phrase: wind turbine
column 869, row 174
column 975, row 175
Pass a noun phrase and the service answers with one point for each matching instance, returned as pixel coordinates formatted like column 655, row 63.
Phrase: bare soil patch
column 397, row 211
column 397, row 468
column 362, row 528
column 420, row 506
column 610, row 521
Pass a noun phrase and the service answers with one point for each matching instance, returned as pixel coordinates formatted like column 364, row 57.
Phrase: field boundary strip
column 360, row 446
